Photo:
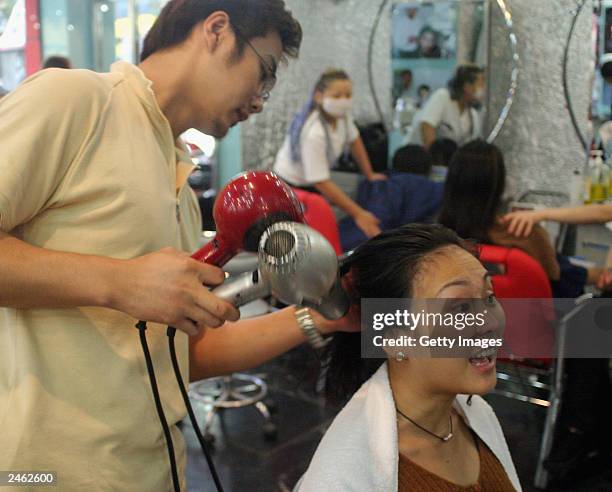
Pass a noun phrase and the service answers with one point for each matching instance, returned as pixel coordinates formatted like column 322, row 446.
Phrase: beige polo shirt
column 88, row 164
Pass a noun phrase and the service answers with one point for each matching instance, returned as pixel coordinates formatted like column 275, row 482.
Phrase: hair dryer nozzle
column 302, row 268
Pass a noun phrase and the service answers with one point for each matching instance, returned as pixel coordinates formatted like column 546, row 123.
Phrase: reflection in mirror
column 431, row 41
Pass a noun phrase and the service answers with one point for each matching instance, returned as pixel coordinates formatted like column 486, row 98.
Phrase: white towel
column 359, row 452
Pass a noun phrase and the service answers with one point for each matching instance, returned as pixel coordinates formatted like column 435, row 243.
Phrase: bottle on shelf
column 599, row 178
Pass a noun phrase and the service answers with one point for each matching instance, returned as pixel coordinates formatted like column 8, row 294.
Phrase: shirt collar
column 143, row 88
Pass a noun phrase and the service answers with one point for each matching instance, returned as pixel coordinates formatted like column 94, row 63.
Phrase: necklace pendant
column 448, row 437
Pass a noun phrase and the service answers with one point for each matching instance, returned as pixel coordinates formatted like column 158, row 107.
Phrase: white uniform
column 444, row 115
column 314, row 167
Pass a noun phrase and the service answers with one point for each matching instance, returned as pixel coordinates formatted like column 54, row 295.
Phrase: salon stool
column 230, row 392
column 236, row 391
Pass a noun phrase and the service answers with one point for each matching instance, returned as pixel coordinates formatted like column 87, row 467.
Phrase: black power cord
column 177, row 371
column 171, row 332
column 142, row 327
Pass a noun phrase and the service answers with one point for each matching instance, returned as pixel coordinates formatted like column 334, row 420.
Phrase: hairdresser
column 319, row 135
column 95, row 219
column 452, row 112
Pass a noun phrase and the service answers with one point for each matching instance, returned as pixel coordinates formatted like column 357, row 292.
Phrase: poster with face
column 424, row 30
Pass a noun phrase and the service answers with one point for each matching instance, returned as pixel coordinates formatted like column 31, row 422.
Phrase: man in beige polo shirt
column 95, row 223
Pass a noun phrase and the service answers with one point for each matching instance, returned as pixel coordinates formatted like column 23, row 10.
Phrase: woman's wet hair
column 386, row 266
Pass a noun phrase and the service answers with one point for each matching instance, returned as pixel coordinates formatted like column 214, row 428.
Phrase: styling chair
column 531, row 328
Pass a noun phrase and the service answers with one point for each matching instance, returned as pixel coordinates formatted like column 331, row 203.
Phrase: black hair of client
column 473, row 191
column 412, row 159
column 386, row 266
column 442, row 151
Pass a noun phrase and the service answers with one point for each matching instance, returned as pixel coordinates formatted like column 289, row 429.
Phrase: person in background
column 412, row 159
column 410, row 425
column 472, row 207
column 405, row 104
column 407, row 196
column 406, row 78
column 521, row 224
column 57, row 61
column 423, row 92
column 442, row 152
column 450, row 112
column 318, row 136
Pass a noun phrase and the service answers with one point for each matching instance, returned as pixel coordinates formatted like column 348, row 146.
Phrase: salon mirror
column 601, row 90
column 429, row 39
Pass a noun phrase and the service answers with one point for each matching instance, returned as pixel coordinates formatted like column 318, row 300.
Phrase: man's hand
column 520, row 224
column 169, row 287
column 368, row 223
column 351, row 322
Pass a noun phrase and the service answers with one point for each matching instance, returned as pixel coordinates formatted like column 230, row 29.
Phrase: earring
column 400, row 356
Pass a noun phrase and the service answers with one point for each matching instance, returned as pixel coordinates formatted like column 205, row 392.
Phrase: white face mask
column 338, row 108
column 479, row 94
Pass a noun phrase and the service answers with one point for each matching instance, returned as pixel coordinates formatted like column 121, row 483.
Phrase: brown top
column 492, row 476
column 537, row 245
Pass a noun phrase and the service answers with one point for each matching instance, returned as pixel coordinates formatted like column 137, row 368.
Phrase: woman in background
column 450, row 112
column 472, row 207
column 411, row 427
column 319, row 135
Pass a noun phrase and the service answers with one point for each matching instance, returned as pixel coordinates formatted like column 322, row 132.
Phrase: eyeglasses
column 268, row 72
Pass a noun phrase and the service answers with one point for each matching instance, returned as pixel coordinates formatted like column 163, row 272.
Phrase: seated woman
column 472, row 207
column 411, row 426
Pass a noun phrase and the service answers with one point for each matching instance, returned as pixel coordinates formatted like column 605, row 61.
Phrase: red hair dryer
column 244, row 209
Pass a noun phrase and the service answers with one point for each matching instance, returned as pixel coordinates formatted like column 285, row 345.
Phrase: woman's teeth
column 483, row 357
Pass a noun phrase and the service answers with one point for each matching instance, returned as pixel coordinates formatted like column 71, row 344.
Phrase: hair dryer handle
column 243, row 289
column 334, row 305
column 214, row 253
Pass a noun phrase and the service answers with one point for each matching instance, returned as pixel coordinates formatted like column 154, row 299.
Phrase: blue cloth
column 402, row 199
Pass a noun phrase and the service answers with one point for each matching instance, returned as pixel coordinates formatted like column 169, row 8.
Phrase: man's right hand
column 169, row 287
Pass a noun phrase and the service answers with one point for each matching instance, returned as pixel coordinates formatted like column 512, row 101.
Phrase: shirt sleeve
column 44, row 125
column 434, row 108
column 314, row 154
column 353, row 131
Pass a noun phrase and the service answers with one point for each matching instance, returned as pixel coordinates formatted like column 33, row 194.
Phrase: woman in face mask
column 452, row 112
column 318, row 136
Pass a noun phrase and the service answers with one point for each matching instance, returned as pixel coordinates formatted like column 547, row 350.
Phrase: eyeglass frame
column 269, row 74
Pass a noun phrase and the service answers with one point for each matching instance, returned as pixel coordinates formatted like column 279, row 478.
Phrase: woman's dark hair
column 252, row 18
column 383, row 267
column 412, row 159
column 473, row 191
column 465, row 74
column 442, row 151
